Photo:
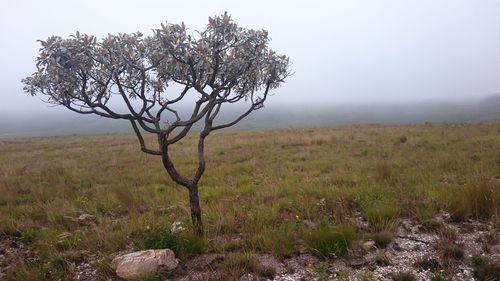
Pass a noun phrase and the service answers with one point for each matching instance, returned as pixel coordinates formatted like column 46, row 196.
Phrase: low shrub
column 191, row 244
column 381, row 260
column 447, row 235
column 235, row 265
column 453, row 252
column 485, row 269
column 382, row 238
column 159, row 237
column 381, row 216
column 450, row 252
column 478, row 200
column 326, row 242
column 280, row 240
column 432, row 226
column 379, row 206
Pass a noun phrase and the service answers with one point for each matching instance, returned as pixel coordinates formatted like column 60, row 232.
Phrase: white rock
column 368, row 245
column 144, row 264
column 87, row 219
column 177, row 227
column 249, row 277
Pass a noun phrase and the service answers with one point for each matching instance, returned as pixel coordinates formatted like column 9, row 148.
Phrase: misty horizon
column 58, row 121
column 382, row 62
column 342, row 52
column 53, row 109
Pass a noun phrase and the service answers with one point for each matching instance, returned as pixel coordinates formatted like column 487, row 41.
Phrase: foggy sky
column 342, row 51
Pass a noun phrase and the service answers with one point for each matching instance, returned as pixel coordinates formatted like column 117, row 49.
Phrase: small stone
column 368, row 245
column 144, row 264
column 249, row 277
column 309, row 224
column 322, row 202
column 177, row 227
column 87, row 219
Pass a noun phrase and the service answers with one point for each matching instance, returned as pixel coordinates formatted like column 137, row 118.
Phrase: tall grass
column 267, row 191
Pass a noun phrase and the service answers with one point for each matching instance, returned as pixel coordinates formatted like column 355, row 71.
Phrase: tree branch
column 141, row 140
column 254, row 106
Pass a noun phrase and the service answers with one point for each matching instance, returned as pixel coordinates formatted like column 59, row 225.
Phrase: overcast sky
column 342, row 51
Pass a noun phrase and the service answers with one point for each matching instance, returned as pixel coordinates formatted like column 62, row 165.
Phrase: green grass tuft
column 237, row 264
column 183, row 245
column 328, row 243
column 382, row 238
column 479, row 200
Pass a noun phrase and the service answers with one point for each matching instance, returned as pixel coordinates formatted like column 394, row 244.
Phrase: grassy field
column 279, row 191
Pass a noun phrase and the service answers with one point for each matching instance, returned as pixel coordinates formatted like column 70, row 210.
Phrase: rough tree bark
column 194, row 202
column 190, row 184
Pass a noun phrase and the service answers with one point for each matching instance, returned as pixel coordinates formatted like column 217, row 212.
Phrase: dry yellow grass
column 262, row 184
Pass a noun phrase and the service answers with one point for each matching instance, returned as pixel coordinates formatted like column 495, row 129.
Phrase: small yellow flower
column 297, row 217
column 147, row 227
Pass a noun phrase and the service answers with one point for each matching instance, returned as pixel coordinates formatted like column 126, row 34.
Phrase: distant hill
column 487, row 109
column 273, row 116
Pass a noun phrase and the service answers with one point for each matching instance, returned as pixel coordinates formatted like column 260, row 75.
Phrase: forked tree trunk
column 194, row 202
column 191, row 186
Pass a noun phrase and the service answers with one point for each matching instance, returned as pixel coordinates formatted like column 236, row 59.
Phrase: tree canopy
column 223, row 64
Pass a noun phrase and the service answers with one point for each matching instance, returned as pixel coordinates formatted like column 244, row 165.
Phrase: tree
column 152, row 75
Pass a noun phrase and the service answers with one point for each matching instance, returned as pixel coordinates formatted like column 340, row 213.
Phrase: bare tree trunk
column 191, row 186
column 194, row 202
